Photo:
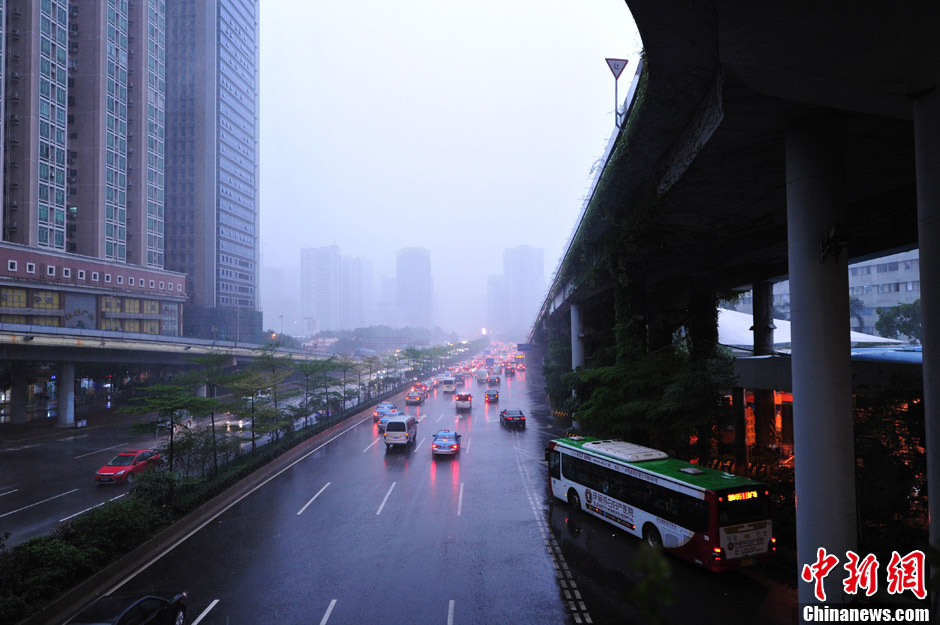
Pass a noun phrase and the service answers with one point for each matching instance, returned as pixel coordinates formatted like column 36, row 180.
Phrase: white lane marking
column 371, row 446
column 37, row 503
column 460, row 500
column 379, row 511
column 419, row 444
column 233, row 503
column 91, row 508
column 326, row 616
column 9, row 492
column 22, row 447
column 467, row 446
column 421, row 418
column 439, row 418
column 301, row 511
column 450, row 612
column 204, row 612
column 99, row 451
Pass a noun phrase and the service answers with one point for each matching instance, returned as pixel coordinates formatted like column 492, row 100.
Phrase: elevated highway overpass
column 62, row 348
column 769, row 141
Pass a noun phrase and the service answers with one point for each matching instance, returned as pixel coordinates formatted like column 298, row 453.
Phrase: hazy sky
column 462, row 127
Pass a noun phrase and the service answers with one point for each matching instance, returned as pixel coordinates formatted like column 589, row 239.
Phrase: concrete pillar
column 821, row 362
column 927, row 165
column 577, row 344
column 65, row 394
column 765, row 412
column 19, row 392
column 763, row 318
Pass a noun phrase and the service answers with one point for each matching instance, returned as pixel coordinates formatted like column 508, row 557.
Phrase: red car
column 127, row 466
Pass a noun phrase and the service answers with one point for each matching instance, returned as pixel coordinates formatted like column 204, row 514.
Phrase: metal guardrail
column 51, row 336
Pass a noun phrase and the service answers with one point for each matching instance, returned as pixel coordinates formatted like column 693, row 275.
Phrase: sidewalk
column 93, row 416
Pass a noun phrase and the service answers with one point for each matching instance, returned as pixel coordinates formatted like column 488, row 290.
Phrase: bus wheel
column 573, row 499
column 652, row 537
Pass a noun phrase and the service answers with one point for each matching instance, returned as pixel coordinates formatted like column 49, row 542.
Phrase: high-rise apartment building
column 321, row 271
column 357, row 292
column 414, row 288
column 495, row 304
column 523, row 286
column 212, row 204
column 83, row 155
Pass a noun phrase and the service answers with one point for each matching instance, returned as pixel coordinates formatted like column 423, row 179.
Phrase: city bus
column 715, row 519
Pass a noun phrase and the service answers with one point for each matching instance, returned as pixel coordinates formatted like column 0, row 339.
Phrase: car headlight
column 121, row 472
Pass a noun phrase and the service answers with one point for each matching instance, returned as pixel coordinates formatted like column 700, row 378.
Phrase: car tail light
column 773, row 544
column 434, row 446
column 718, row 554
column 453, row 446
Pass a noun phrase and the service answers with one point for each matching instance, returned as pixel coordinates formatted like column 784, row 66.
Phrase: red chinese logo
column 819, row 570
column 903, row 573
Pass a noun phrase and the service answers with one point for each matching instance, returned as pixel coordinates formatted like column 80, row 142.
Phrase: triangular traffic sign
column 616, row 66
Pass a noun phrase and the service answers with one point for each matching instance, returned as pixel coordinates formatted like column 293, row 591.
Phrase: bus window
column 554, row 464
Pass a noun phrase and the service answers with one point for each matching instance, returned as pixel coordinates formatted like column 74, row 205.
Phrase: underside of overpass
column 771, row 141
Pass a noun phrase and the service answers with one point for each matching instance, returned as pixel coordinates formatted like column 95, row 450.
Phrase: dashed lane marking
column 91, row 508
column 301, row 511
column 205, row 612
column 329, row 610
column 379, row 511
column 38, row 503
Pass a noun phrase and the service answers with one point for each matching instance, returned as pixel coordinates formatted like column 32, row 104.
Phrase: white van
column 448, row 385
column 401, row 430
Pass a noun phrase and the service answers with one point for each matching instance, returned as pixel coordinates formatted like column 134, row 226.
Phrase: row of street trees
column 272, row 397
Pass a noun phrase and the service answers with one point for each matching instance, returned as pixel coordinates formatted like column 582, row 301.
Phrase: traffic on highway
column 451, row 522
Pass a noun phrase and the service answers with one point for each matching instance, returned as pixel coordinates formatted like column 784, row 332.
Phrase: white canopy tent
column 734, row 330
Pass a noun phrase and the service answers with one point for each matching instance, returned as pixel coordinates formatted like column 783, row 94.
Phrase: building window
column 162, row 285
column 120, row 279
column 50, row 270
column 13, row 298
column 107, row 278
column 66, row 272
column 81, row 274
column 94, row 276
column 179, row 286
column 30, row 267
column 46, row 299
column 130, row 281
column 11, row 265
column 152, row 284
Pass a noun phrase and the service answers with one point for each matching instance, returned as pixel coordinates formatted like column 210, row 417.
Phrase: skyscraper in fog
column 413, row 286
column 357, row 292
column 212, row 203
column 321, row 271
column 523, row 286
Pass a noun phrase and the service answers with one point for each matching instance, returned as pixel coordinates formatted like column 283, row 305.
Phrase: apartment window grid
column 236, row 183
column 156, row 138
column 116, row 132
column 53, row 102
